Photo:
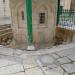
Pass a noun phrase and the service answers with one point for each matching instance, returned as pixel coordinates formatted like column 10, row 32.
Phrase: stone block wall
column 42, row 33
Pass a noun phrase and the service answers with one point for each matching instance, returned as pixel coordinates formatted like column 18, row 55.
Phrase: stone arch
column 19, row 9
column 43, row 8
column 38, row 8
column 40, row 33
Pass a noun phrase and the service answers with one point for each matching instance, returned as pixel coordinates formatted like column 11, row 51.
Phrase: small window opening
column 42, row 18
column 22, row 14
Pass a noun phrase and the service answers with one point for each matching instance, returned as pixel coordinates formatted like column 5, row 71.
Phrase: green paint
column 29, row 20
column 58, row 11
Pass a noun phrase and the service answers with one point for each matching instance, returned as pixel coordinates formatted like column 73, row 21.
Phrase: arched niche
column 40, row 13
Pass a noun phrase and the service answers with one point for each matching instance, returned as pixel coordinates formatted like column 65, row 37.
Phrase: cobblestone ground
column 43, row 62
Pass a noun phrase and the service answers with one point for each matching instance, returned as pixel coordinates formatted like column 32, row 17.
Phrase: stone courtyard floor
column 58, row 60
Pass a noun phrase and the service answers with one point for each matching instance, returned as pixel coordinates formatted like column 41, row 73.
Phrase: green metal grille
column 66, row 18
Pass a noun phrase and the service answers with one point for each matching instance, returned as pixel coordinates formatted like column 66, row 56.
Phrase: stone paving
column 18, row 62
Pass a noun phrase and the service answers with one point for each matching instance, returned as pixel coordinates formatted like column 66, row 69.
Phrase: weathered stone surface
column 5, row 62
column 63, row 60
column 6, row 51
column 34, row 71
column 35, row 64
column 55, row 56
column 17, row 52
column 45, row 60
column 20, row 73
column 52, row 66
column 73, row 62
column 73, row 74
column 70, row 68
column 72, row 57
column 66, row 73
column 29, row 62
column 48, row 72
column 66, row 52
column 11, row 69
column 55, row 71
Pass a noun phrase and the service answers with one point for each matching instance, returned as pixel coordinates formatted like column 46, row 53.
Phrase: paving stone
column 48, row 67
column 17, row 52
column 63, row 60
column 12, row 58
column 70, row 68
column 66, row 52
column 20, row 73
column 34, row 71
column 29, row 62
column 5, row 62
column 66, row 73
column 55, row 56
column 48, row 63
column 48, row 72
column 44, row 68
column 45, row 60
column 24, row 56
column 52, row 66
column 73, row 62
column 72, row 57
column 55, row 71
column 59, row 70
column 11, row 69
column 6, row 51
column 73, row 74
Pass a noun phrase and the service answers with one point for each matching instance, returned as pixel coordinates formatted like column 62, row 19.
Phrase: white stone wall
column 7, row 8
column 1, row 8
column 5, row 15
column 66, row 4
